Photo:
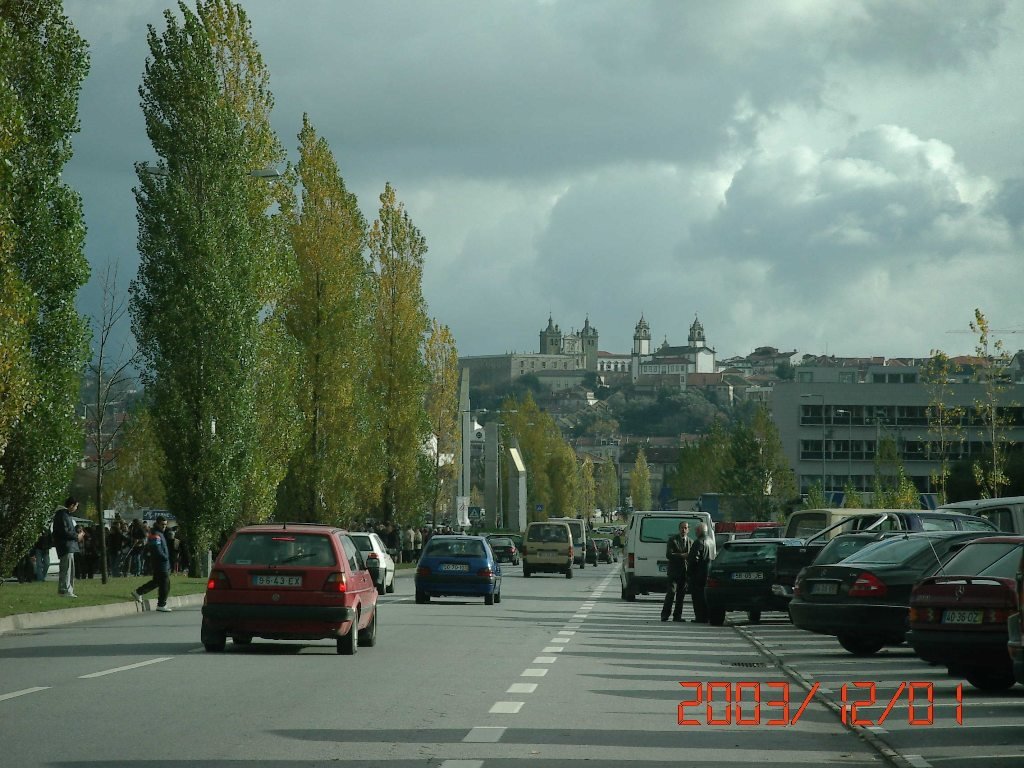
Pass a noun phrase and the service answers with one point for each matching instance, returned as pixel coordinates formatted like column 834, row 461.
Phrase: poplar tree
column 329, row 315
column 399, row 377
column 991, row 415
column 588, row 490
column 944, row 418
column 608, row 486
column 442, row 361
column 43, row 62
column 215, row 269
column 640, row 482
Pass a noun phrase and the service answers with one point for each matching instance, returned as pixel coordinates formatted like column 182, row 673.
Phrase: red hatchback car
column 959, row 618
column 290, row 581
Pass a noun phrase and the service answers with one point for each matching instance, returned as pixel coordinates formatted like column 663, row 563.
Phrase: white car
column 378, row 562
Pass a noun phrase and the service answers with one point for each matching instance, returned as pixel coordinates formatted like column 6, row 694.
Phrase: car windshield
column 450, row 548
column 362, row 542
column 996, row 559
column 279, row 548
column 555, row 533
column 747, row 553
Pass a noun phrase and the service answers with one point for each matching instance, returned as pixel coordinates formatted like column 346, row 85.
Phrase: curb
column 44, row 619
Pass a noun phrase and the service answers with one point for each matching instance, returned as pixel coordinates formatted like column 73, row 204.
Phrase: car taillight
column 712, row 583
column 571, row 553
column 372, row 556
column 422, row 571
column 629, row 561
column 996, row 616
column 923, row 615
column 336, row 582
column 485, row 573
column 218, row 580
column 522, row 550
column 868, row 585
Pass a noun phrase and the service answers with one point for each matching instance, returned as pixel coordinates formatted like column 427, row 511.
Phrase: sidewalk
column 63, row 616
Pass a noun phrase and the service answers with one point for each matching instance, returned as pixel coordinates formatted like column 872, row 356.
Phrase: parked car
column 290, row 581
column 1015, row 642
column 378, row 560
column 863, row 600
column 460, row 566
column 741, row 577
column 591, row 547
column 1006, row 513
column 504, row 549
column 605, row 553
column 548, row 548
column 958, row 618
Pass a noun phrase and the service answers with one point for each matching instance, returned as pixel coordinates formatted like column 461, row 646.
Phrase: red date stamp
column 769, row 703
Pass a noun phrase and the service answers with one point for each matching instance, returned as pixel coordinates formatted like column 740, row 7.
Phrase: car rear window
column 805, row 524
column 278, row 548
column 840, row 549
column 997, row 559
column 500, row 542
column 654, row 529
column 556, row 533
column 455, row 549
column 747, row 553
column 893, row 551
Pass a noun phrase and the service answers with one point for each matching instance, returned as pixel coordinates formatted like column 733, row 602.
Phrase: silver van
column 579, row 538
column 1007, row 514
column 644, row 566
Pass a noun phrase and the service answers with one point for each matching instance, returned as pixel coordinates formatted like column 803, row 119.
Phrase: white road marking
column 16, row 694
column 534, row 673
column 917, row 761
column 506, row 707
column 522, row 687
column 554, row 649
column 545, row 660
column 559, row 640
column 123, row 669
column 566, row 632
column 462, row 764
column 485, row 734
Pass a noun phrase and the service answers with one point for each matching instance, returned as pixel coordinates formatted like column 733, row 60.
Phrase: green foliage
column 442, row 360
column 756, row 472
column 215, row 271
column 701, row 465
column 43, row 62
column 944, row 419
column 816, row 497
column 588, row 488
column 607, row 487
column 990, row 414
column 399, row 375
column 640, row 482
column 900, row 494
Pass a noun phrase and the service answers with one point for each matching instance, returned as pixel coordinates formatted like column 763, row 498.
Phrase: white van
column 579, row 538
column 1007, row 514
column 644, row 566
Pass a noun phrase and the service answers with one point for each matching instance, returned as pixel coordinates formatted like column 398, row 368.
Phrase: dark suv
column 290, row 581
column 741, row 578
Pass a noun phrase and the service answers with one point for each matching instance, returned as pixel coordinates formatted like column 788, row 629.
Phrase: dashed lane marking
column 534, row 673
column 485, row 734
column 545, row 660
column 506, row 707
column 125, row 668
column 24, row 691
column 522, row 688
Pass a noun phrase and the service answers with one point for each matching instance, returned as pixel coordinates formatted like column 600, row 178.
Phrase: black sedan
column 741, row 578
column 504, row 549
column 863, row 601
column 605, row 552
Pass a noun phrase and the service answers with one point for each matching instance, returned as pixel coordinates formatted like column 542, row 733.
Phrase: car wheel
column 241, row 639
column 716, row 617
column 348, row 643
column 368, row 636
column 497, row 597
column 390, row 588
column 991, row 680
column 422, row 597
column 527, row 572
column 629, row 596
column 583, row 564
column 754, row 617
column 488, row 599
column 213, row 641
column 860, row 646
column 568, row 572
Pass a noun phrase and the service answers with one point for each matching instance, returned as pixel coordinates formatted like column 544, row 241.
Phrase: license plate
column 277, row 581
column 454, row 567
column 954, row 616
column 825, row 588
column 662, row 567
column 748, row 575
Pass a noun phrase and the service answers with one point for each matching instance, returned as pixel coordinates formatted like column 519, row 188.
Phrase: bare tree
column 112, row 372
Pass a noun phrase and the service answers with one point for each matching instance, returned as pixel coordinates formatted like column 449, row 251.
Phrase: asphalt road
column 561, row 672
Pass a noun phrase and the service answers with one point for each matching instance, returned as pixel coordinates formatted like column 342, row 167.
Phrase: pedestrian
column 697, row 562
column 676, row 550
column 68, row 541
column 408, row 541
column 160, row 560
column 41, row 549
column 417, row 543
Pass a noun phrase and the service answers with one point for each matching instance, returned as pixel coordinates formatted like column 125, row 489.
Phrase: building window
column 805, row 377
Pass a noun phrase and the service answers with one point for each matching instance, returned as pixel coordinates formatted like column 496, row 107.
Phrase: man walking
column 697, row 569
column 676, row 550
column 156, row 544
column 67, row 542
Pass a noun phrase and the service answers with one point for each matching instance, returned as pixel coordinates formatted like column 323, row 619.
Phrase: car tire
column 568, row 572
column 422, row 597
column 754, row 617
column 390, row 588
column 488, row 599
column 368, row 636
column 991, row 680
column 348, row 643
column 629, row 596
column 716, row 617
column 861, row 646
column 527, row 572
column 241, row 639
column 497, row 597
column 212, row 640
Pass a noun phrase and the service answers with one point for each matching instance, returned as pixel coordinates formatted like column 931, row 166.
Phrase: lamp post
column 499, row 491
column 849, row 445
column 822, row 436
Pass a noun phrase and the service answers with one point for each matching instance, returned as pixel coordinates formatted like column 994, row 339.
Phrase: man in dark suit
column 697, row 562
column 676, row 550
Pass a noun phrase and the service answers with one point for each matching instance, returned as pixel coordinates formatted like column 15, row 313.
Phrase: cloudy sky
column 838, row 177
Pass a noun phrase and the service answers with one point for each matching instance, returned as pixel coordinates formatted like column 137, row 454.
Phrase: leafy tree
column 442, row 361
column 588, row 490
column 215, row 271
column 944, row 419
column 888, row 470
column 990, row 474
column 608, row 486
column 329, row 315
column 399, row 376
column 816, row 497
column 137, row 478
column 640, row 482
column 564, row 479
column 757, row 473
column 43, row 62
column 701, row 465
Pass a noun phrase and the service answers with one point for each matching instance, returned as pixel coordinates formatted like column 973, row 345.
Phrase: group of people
column 406, row 544
column 687, row 572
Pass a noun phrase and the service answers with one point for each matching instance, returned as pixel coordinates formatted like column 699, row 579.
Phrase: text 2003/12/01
column 741, row 703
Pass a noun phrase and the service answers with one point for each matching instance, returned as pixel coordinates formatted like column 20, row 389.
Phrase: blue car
column 458, row 566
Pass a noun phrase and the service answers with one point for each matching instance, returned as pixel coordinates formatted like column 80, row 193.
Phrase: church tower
column 589, row 338
column 697, row 340
column 641, row 347
column 551, row 339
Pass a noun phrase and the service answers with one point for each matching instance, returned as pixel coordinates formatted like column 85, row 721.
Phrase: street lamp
column 500, row 519
column 822, row 396
column 849, row 445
